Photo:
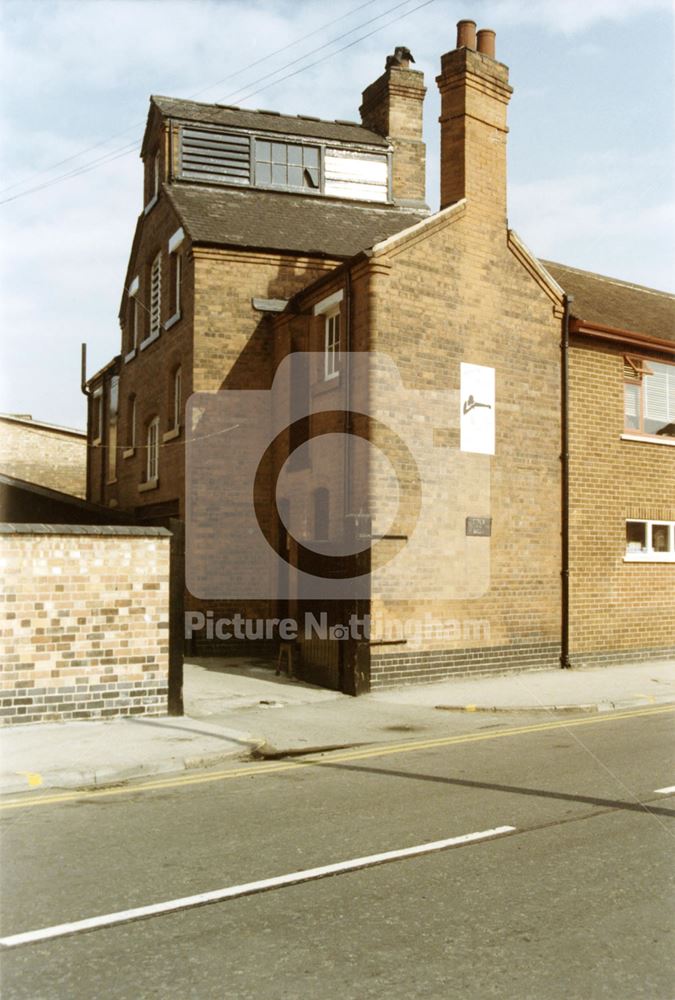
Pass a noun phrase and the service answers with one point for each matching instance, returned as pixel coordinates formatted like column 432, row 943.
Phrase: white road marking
column 247, row 889
column 665, row 791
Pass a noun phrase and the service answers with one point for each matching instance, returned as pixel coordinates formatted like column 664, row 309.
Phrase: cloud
column 592, row 216
column 573, row 16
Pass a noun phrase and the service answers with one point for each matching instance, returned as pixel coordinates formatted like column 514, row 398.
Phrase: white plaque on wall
column 477, row 409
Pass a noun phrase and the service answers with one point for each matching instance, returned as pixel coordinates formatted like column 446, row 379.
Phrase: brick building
column 43, row 454
column 264, row 237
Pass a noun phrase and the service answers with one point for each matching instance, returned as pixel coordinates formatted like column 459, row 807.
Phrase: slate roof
column 619, row 304
column 267, row 121
column 270, row 220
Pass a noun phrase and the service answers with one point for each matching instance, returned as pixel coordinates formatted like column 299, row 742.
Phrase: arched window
column 321, row 515
column 152, row 462
column 131, row 422
column 176, row 398
column 156, row 297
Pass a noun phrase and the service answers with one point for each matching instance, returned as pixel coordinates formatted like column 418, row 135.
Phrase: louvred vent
column 207, row 154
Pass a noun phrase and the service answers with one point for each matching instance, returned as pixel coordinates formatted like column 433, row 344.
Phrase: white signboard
column 477, row 409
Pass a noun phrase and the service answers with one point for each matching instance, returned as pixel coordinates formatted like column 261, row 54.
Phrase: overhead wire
column 128, row 148
column 197, row 93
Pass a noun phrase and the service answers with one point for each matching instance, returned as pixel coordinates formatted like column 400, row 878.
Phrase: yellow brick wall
column 83, row 624
column 461, row 295
column 42, row 455
column 617, row 609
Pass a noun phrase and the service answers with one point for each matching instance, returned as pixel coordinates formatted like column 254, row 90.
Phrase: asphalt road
column 575, row 902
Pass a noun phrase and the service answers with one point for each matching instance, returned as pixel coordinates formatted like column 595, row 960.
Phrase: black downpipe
column 565, row 484
column 87, row 392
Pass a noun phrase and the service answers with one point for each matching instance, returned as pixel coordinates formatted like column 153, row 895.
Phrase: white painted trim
column 665, row 791
column 176, row 240
column 246, row 889
column 151, row 484
column 151, row 204
column 134, row 286
column 172, row 434
column 148, row 340
column 172, row 321
column 327, row 304
column 649, row 557
column 648, row 440
column 130, row 356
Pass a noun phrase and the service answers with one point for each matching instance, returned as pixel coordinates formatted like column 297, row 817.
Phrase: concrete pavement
column 240, row 708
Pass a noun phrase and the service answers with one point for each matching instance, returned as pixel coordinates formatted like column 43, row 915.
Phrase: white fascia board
column 329, row 303
column 176, row 240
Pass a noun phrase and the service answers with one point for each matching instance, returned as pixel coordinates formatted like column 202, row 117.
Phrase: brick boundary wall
column 428, row 666
column 84, row 620
column 616, row 657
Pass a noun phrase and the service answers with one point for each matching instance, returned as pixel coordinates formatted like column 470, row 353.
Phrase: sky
column 591, row 180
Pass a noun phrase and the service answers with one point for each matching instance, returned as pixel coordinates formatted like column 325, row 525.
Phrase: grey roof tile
column 267, row 121
column 273, row 220
column 619, row 304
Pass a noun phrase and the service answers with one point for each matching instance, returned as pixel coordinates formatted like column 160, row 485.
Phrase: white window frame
column 113, row 422
column 152, row 460
column 155, row 185
column 155, row 310
column 331, row 354
column 177, row 397
column 642, row 371
column 97, row 415
column 648, row 554
column 178, row 257
column 131, row 412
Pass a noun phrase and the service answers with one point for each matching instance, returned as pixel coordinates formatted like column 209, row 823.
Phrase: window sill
column 650, row 557
column 111, row 482
column 151, row 204
column 171, row 435
column 149, row 340
column 97, row 442
column 327, row 384
column 130, row 356
column 128, row 453
column 172, row 321
column 151, row 484
column 646, row 439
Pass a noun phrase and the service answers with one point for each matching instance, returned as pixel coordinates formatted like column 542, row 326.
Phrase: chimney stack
column 392, row 107
column 475, row 93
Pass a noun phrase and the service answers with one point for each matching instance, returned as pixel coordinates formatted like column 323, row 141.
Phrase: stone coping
column 84, row 529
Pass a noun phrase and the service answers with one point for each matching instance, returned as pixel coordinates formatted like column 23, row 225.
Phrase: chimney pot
column 486, row 42
column 466, row 34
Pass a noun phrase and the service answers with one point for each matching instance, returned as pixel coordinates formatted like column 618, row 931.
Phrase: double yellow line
column 28, row 800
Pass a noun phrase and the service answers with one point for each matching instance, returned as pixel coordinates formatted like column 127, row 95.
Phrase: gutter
column 565, row 488
column 601, row 332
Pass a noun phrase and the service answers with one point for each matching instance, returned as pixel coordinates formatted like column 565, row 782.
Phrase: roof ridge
column 30, row 422
column 259, row 111
column 608, row 278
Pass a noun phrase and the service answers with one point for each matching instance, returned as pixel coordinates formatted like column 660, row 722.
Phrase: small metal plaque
column 479, row 526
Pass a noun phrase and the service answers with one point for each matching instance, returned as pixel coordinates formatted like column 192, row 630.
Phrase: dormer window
column 151, row 182
column 287, row 165
column 217, row 156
